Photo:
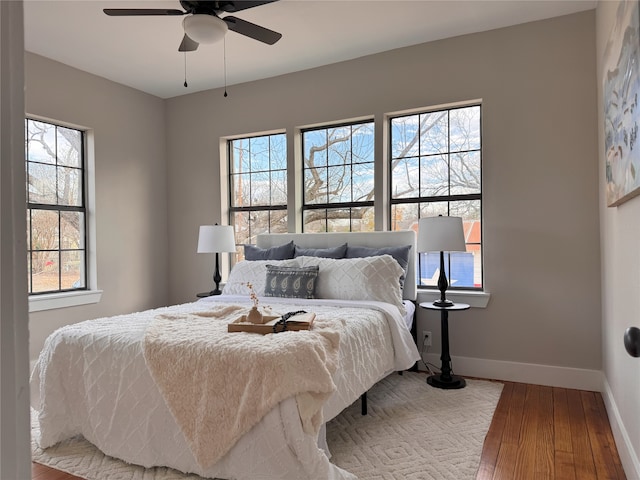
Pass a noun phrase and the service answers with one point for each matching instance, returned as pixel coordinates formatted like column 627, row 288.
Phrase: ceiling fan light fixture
column 203, row 28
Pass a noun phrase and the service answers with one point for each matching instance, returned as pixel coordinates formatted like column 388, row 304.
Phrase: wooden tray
column 303, row 321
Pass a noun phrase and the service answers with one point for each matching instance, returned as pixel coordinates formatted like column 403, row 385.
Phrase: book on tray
column 274, row 324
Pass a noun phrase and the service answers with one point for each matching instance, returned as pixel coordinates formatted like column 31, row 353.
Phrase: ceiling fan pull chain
column 224, row 57
column 185, row 70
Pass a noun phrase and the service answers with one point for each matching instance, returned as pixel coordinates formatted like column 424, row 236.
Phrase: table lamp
column 441, row 234
column 216, row 239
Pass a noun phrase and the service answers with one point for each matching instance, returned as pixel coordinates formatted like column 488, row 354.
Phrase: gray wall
column 541, row 230
column 620, row 231
column 130, row 187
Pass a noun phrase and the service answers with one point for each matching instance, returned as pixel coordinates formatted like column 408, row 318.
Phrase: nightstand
column 444, row 379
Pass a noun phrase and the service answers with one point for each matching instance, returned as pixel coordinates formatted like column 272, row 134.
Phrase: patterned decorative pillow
column 291, row 282
column 400, row 254
column 281, row 252
column 367, row 278
column 254, row 271
column 333, row 252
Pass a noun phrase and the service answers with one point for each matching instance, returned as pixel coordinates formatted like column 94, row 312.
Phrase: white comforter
column 93, row 381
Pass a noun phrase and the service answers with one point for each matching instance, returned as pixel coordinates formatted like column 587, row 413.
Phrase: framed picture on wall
column 621, row 91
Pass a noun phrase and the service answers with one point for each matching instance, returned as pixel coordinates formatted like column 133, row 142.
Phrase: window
column 435, row 168
column 56, row 212
column 258, row 186
column 338, row 178
column 436, row 165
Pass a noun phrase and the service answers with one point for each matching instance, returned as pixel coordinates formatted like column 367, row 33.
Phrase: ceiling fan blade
column 243, row 4
column 188, row 45
column 126, row 12
column 252, row 30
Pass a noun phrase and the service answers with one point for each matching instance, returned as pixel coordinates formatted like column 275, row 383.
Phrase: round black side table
column 444, row 379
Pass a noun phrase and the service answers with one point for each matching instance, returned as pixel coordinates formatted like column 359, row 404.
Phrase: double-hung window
column 436, row 164
column 338, row 178
column 258, row 186
column 56, row 211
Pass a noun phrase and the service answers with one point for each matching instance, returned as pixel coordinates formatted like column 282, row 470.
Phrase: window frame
column 327, row 206
column 90, row 294
column 420, row 200
column 232, row 209
column 60, row 209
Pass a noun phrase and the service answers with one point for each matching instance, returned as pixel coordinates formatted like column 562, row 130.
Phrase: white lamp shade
column 441, row 234
column 216, row 238
column 204, row 28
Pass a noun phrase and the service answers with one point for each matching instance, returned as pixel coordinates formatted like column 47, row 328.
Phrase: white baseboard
column 627, row 454
column 536, row 374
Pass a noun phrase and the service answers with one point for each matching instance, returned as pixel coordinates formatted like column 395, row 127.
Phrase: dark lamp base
column 443, row 303
column 453, row 382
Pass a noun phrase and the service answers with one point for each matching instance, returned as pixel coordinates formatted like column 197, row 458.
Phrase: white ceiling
column 142, row 52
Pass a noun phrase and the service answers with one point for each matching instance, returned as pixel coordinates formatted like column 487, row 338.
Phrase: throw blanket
column 218, row 385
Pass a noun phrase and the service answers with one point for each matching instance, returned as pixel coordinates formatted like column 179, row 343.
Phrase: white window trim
column 473, row 298
column 51, row 301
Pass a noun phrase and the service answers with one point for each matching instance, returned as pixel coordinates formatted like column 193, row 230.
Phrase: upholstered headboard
column 363, row 239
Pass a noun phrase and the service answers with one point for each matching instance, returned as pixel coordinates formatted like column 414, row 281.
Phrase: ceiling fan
column 203, row 24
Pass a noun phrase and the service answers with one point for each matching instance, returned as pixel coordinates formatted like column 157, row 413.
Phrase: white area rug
column 412, row 431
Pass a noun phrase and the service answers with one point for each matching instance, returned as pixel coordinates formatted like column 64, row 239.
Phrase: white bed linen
column 93, row 381
column 410, row 307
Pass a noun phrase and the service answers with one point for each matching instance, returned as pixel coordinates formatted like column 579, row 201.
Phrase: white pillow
column 366, row 278
column 254, row 271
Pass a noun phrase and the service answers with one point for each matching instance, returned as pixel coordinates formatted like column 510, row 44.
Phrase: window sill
column 52, row 301
column 473, row 298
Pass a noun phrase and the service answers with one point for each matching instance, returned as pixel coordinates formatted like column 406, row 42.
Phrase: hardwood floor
column 549, row 433
column 542, row 433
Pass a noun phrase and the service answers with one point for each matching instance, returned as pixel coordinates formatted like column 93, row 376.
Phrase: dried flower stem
column 252, row 294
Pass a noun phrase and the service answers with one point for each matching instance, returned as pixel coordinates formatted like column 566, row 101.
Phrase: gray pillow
column 334, row 252
column 291, row 282
column 281, row 252
column 400, row 254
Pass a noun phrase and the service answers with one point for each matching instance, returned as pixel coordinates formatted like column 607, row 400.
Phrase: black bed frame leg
column 363, row 403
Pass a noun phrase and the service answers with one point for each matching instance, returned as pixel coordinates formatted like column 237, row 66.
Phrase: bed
column 170, row 387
